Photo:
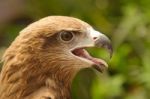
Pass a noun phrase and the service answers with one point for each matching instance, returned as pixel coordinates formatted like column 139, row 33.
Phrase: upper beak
column 101, row 41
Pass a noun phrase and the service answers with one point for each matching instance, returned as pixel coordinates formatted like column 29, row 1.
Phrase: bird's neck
column 54, row 78
column 60, row 83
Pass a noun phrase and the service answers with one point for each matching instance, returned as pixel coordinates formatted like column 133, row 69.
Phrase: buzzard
column 45, row 57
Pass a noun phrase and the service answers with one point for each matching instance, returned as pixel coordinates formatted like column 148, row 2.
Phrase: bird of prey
column 45, row 57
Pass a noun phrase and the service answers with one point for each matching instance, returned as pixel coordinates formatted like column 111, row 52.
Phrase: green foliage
column 127, row 24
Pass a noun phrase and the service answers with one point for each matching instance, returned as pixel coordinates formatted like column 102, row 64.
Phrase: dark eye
column 66, row 36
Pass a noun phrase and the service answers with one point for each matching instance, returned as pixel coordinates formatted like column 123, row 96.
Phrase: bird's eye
column 66, row 36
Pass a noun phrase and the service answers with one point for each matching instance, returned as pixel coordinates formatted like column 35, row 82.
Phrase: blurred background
column 125, row 22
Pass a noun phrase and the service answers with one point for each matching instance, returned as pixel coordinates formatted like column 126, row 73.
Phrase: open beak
column 101, row 41
column 98, row 40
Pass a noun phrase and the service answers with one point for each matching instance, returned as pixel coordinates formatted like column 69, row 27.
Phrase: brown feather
column 35, row 64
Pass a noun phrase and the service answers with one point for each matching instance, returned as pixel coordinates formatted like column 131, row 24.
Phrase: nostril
column 94, row 38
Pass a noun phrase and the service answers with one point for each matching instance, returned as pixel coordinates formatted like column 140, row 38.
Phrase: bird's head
column 56, row 45
column 67, row 38
column 49, row 53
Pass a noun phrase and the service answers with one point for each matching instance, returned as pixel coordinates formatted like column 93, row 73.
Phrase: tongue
column 99, row 64
column 82, row 53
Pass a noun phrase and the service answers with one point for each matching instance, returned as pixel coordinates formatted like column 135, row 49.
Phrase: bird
column 44, row 58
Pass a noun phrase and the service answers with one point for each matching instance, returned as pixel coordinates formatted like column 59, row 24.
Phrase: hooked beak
column 98, row 40
column 102, row 41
